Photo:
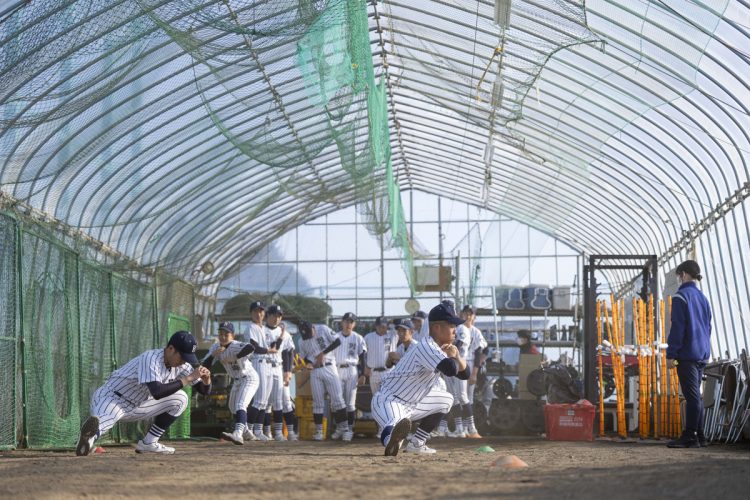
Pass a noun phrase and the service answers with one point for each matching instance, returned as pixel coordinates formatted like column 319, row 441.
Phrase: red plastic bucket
column 570, row 422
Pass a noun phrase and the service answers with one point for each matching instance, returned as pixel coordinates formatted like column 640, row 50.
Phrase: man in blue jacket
column 689, row 350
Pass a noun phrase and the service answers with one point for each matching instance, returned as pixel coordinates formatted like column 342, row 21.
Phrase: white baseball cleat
column 399, row 432
column 348, row 436
column 456, row 434
column 248, row 435
column 318, row 436
column 279, row 437
column 259, row 436
column 86, row 439
column 339, row 433
column 292, row 436
column 421, row 450
column 235, row 437
column 439, row 433
column 156, row 447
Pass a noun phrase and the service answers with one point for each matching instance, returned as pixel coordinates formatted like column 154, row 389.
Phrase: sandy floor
column 599, row 470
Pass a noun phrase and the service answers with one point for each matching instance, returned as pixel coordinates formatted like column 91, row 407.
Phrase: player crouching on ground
column 149, row 385
column 412, row 390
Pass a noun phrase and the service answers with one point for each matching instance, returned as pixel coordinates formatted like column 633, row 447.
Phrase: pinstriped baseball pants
column 388, row 410
column 110, row 408
column 349, row 378
column 265, row 384
column 326, row 380
column 280, row 396
column 243, row 390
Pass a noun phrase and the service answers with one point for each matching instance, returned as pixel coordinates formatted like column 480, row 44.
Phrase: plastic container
column 307, row 427
column 570, row 422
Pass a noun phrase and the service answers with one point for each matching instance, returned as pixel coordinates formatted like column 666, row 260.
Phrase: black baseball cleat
column 89, row 429
column 398, row 434
column 687, row 440
column 702, row 440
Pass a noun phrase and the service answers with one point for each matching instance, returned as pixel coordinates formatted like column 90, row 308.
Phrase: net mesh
column 79, row 321
column 99, row 96
column 51, row 343
column 9, row 368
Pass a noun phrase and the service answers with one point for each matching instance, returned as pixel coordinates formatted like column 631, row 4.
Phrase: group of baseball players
column 422, row 372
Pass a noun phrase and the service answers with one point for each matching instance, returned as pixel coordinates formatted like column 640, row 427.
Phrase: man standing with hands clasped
column 689, row 349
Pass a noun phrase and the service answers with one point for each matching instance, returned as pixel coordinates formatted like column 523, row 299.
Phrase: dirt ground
column 598, row 470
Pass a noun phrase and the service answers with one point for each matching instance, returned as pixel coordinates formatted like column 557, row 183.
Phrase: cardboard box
column 302, row 383
column 527, row 364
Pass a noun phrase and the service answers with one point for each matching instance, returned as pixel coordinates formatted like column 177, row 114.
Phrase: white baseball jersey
column 256, row 333
column 310, row 348
column 415, row 374
column 477, row 342
column 129, row 382
column 351, row 347
column 463, row 340
column 245, row 383
column 234, row 367
column 378, row 347
column 401, row 349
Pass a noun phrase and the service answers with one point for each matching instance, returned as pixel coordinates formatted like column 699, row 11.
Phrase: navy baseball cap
column 445, row 312
column 274, row 309
column 185, row 344
column 381, row 321
column 468, row 308
column 349, row 317
column 306, row 329
column 419, row 315
column 226, row 326
column 257, row 305
column 403, row 323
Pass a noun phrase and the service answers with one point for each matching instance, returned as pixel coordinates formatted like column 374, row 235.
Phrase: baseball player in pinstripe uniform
column 475, row 359
column 457, row 387
column 404, row 330
column 316, row 348
column 350, row 360
column 147, row 386
column 275, row 333
column 411, row 390
column 379, row 344
column 263, row 364
column 421, row 328
column 287, row 365
column 234, row 356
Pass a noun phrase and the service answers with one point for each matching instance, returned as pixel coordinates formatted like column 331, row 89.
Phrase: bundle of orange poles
column 658, row 386
column 614, row 331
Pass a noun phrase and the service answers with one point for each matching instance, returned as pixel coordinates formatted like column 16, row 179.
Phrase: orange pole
column 601, row 367
column 618, row 367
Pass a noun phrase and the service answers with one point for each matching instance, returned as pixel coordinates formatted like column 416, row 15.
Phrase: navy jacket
column 690, row 335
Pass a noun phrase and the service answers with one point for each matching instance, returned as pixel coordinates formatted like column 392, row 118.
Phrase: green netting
column 9, row 368
column 78, row 321
column 175, row 298
column 180, row 429
column 97, row 351
column 51, row 348
column 134, row 333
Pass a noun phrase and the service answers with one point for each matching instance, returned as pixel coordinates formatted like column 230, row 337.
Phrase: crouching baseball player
column 411, row 390
column 149, row 385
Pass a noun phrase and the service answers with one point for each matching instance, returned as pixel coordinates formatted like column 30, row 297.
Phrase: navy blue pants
column 690, row 374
